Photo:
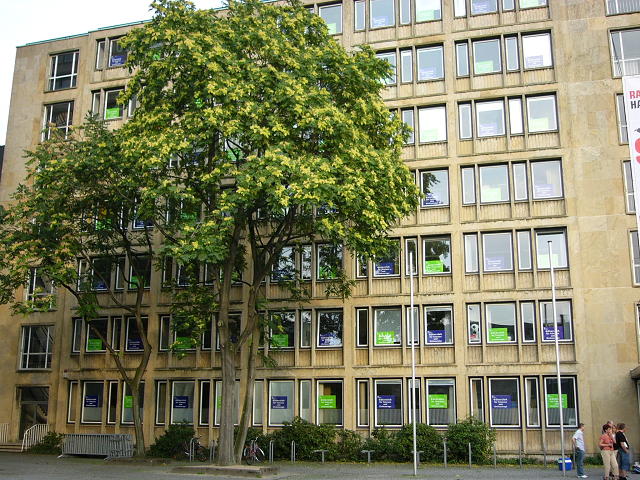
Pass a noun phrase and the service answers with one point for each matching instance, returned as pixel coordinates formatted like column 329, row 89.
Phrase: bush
column 383, row 443
column 308, row 437
column 348, row 447
column 171, row 444
column 51, row 444
column 471, row 431
column 593, row 460
column 428, row 440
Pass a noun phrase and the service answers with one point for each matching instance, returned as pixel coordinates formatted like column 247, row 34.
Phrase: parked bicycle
column 195, row 448
column 252, row 453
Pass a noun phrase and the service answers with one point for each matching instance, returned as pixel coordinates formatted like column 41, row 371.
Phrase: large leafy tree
column 279, row 133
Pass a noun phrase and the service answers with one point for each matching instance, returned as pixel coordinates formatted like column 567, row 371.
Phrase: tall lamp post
column 412, row 396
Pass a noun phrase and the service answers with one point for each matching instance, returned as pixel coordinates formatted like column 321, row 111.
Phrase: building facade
column 520, row 144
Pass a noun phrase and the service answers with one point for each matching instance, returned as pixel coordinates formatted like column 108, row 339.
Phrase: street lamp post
column 412, row 395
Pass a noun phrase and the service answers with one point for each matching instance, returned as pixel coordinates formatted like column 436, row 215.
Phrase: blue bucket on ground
column 568, row 464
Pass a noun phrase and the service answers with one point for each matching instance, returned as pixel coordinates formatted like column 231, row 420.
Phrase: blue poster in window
column 495, row 263
column 436, row 336
column 91, row 401
column 387, row 402
column 134, row 344
column 181, row 401
column 384, row 268
column 329, row 340
column 548, row 333
column 279, row 402
column 117, row 60
column 431, row 198
column 501, row 401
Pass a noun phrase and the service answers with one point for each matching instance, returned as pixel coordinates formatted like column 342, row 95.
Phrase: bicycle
column 252, row 453
column 195, row 448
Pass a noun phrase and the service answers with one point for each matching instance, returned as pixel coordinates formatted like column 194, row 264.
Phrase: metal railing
column 626, row 66
column 4, row 432
column 34, row 435
column 615, row 7
column 107, row 445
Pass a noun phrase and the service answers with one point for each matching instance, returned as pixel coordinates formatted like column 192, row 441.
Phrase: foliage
column 171, row 444
column 347, row 447
column 308, row 437
column 51, row 444
column 383, row 443
column 429, row 441
column 473, row 431
column 593, row 460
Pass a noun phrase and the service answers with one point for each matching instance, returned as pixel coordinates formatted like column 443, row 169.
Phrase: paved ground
column 45, row 467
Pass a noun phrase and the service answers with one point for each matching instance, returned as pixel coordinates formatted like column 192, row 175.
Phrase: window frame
column 488, row 329
column 490, row 381
column 53, row 70
column 574, row 383
column 430, row 382
column 322, row 7
column 318, row 408
column 397, row 340
column 400, row 402
column 47, row 119
column 25, row 353
column 450, row 331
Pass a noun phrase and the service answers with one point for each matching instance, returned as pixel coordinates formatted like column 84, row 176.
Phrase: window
column 433, row 124
column 57, row 116
column 362, row 392
column 476, row 399
column 329, row 402
column 617, row 7
column 217, row 411
column 532, row 3
column 505, row 402
column 77, row 335
column 161, row 402
column 133, row 338
column 516, row 123
column 441, row 402
column 625, row 52
column 411, row 256
column 471, row 252
column 332, row 15
column 435, row 188
column 305, row 329
column 479, row 7
column 635, row 256
column 282, row 330
column 388, row 326
column 541, row 113
column 428, row 10
column 490, row 118
column 546, row 177
column 112, row 109
column 520, row 181
column 628, row 187
column 182, row 396
column 92, row 397
column 258, row 402
column 415, row 315
column 528, row 317
column 556, row 241
column 563, row 314
column 305, row 400
column 127, row 403
column 511, row 53
column 113, row 402
column 438, row 323
column 94, row 274
column 382, row 13
column 567, row 397
column 359, row 15
column 388, row 395
column 536, row 51
column 72, row 402
column 329, row 261
column 501, row 322
column 497, row 252
column 37, row 347
column 532, row 400
column 205, row 398
column 388, row 266
column 408, row 119
column 362, row 327
column 462, row 59
column 524, row 250
column 96, row 331
column 117, row 54
column 623, row 135
column 40, row 286
column 284, row 266
column 486, row 56
column 140, row 269
column 430, row 63
column 437, row 255
column 494, row 183
column 474, row 324
column 64, row 70
column 414, row 404
column 329, row 328
column 390, row 58
column 280, row 401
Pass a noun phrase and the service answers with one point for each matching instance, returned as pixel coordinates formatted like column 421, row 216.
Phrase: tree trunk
column 247, row 403
column 225, row 447
column 137, row 421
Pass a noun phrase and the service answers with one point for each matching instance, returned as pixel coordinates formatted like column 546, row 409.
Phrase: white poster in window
column 631, row 85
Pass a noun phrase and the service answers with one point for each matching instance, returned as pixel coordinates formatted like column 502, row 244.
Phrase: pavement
column 48, row 467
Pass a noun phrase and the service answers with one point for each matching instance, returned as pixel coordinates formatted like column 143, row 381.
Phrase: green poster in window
column 94, row 344
column 327, row 401
column 552, row 400
column 491, row 194
column 423, row 15
column 429, row 135
column 539, row 124
column 113, row 112
column 543, row 260
column 183, row 343
column 333, row 28
column 219, row 402
column 485, row 66
column 433, row 266
column 439, row 400
column 280, row 340
column 133, row 282
column 128, row 401
column 529, row 3
column 499, row 335
column 385, row 338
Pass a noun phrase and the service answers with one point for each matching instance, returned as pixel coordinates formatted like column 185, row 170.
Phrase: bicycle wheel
column 202, row 454
column 247, row 455
column 259, row 455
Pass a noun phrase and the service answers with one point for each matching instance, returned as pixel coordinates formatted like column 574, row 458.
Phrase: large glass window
column 568, row 399
column 415, row 314
column 388, row 326
column 64, row 70
column 284, row 267
column 547, row 179
column 305, row 329
column 536, row 50
column 133, row 338
column 96, row 331
column 558, row 244
column 438, row 325
column 462, row 59
column 389, row 265
column 329, row 402
column 390, row 58
column 217, row 408
column 497, row 252
column 433, row 124
column 486, row 56
column 40, row 286
column 541, row 113
column 388, row 395
column 329, row 328
column 563, row 314
column 281, row 401
column 501, row 322
column 332, row 15
column 362, row 327
column 524, row 249
column 37, row 347
column 117, row 54
column 112, row 109
column 127, row 403
column 441, row 402
column 408, row 119
column 282, row 330
column 435, row 188
column 468, row 185
column 182, row 402
column 382, row 13
column 92, row 399
column 437, row 255
column 329, row 261
column 205, row 398
column 57, row 116
column 494, row 183
column 430, row 63
column 505, row 402
column 359, row 15
column 490, row 118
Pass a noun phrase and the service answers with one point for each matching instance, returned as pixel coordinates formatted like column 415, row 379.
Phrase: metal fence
column 107, row 445
column 34, row 435
column 4, row 433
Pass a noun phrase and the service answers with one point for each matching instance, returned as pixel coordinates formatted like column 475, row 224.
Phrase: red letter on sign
column 637, row 146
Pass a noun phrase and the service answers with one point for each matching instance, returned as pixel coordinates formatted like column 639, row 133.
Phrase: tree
column 279, row 133
column 77, row 222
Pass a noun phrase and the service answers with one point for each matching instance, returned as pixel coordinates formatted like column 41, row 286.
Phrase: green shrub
column 593, row 460
column 428, row 440
column 383, row 443
column 51, row 444
column 308, row 437
column 347, row 447
column 173, row 442
column 472, row 431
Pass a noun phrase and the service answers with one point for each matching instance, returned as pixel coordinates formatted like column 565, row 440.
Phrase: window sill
column 60, row 89
column 34, row 370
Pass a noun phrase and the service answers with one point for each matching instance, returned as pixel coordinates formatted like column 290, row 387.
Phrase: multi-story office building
column 517, row 113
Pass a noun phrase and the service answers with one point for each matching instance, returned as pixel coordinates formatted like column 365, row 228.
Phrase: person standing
column 607, row 452
column 578, row 448
column 624, row 453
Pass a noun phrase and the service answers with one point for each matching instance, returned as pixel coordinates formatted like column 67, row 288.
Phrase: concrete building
column 516, row 106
